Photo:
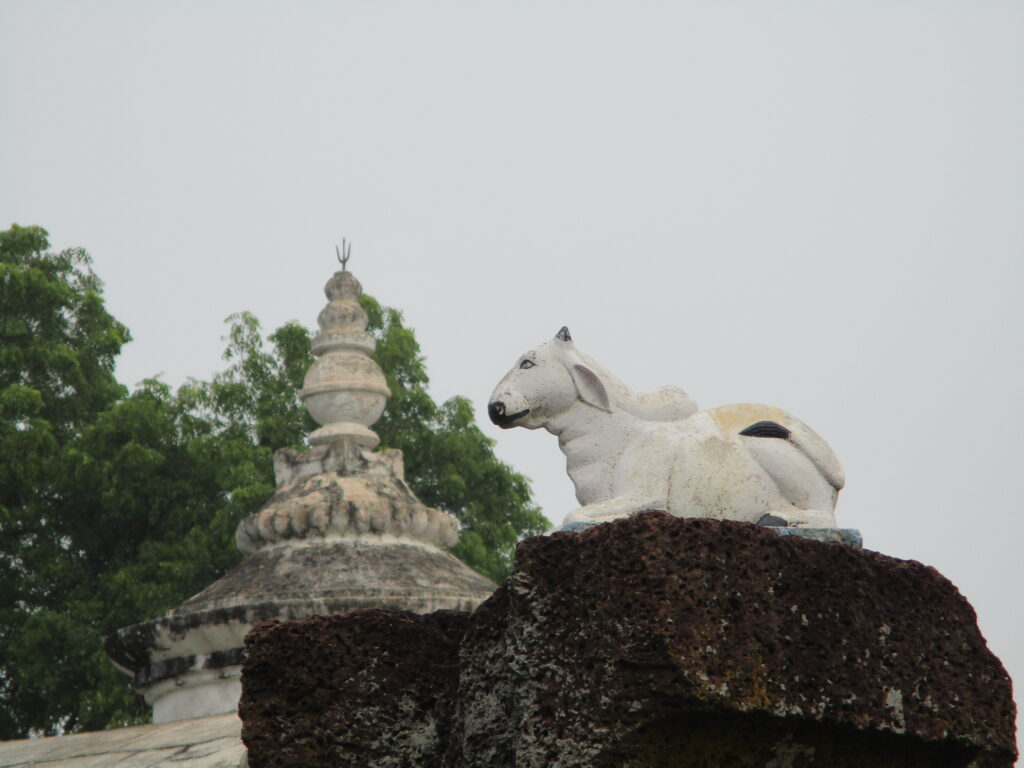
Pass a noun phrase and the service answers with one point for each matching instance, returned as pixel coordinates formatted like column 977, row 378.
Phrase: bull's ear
column 590, row 387
column 563, row 334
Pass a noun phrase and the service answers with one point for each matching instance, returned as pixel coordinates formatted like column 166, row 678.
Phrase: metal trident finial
column 344, row 253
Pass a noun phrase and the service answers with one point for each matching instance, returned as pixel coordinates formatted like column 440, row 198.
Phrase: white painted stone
column 627, row 451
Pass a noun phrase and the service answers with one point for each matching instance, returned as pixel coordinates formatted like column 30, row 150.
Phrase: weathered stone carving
column 351, row 493
column 629, row 451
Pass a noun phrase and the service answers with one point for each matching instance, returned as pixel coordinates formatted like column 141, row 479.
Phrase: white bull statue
column 627, row 451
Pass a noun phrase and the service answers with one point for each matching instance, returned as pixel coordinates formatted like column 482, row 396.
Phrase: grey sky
column 813, row 205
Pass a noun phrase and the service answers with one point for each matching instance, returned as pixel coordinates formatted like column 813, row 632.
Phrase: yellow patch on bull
column 732, row 419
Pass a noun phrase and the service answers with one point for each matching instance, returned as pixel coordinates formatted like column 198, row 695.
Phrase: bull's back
column 734, row 420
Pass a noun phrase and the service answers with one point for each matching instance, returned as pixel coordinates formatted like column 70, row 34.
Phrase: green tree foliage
column 57, row 351
column 117, row 506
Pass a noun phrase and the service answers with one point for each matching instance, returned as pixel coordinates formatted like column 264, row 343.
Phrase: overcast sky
column 818, row 206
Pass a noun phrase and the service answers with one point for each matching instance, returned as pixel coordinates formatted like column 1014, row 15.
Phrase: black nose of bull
column 496, row 411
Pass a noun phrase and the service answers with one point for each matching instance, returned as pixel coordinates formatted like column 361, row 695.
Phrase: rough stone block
column 365, row 688
column 649, row 641
column 665, row 641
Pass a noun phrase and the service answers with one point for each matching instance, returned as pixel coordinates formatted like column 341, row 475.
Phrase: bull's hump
column 733, row 419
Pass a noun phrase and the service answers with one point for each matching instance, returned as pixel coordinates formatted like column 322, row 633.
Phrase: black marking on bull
column 766, row 429
column 563, row 334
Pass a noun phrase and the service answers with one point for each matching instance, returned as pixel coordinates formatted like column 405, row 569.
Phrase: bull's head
column 543, row 383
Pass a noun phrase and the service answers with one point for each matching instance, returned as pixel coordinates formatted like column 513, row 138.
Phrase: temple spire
column 343, row 531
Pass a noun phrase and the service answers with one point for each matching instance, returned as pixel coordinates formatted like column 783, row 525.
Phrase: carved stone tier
column 341, row 491
column 187, row 662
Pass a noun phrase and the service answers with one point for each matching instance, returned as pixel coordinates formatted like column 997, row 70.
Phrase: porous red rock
column 658, row 641
column 664, row 641
column 367, row 688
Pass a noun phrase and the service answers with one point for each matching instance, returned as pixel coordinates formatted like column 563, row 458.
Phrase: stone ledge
column 208, row 630
column 208, row 742
column 851, row 537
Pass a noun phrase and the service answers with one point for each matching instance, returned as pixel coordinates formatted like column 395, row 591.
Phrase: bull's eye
column 526, row 364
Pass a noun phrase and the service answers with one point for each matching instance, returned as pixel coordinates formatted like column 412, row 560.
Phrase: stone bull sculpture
column 627, row 451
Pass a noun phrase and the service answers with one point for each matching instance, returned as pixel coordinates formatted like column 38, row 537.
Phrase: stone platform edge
column 851, row 537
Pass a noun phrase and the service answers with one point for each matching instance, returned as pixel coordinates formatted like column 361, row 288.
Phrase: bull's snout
column 496, row 411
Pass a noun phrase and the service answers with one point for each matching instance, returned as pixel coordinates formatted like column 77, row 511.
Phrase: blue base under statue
column 849, row 536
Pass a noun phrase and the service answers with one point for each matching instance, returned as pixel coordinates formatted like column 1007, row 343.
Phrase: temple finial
column 344, row 253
